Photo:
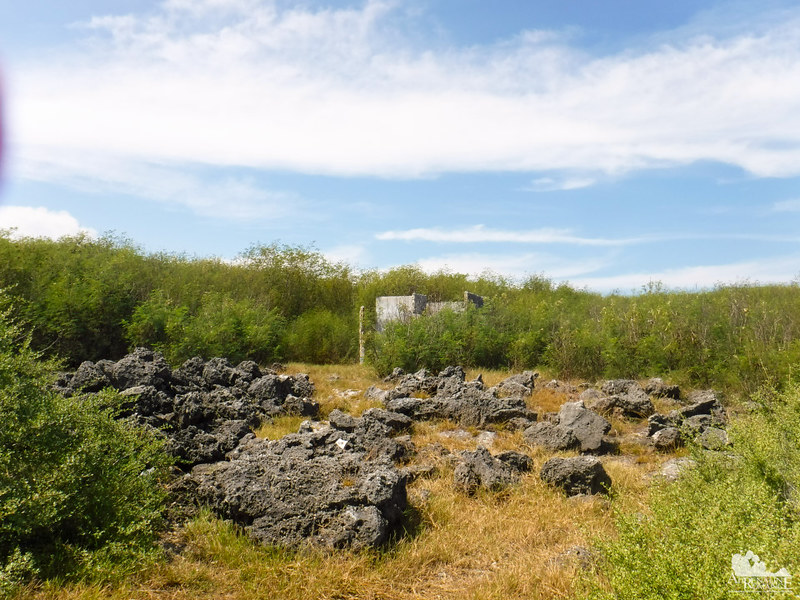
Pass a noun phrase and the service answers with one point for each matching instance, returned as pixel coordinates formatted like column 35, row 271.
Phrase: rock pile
column 623, row 397
column 204, row 407
column 703, row 420
column 335, row 487
column 338, row 484
column 449, row 396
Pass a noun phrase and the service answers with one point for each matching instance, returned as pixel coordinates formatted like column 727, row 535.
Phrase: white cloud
column 28, row 221
column 782, row 269
column 578, row 272
column 346, row 92
column 231, row 198
column 517, row 266
column 479, row 233
column 352, row 254
column 550, row 184
column 787, row 206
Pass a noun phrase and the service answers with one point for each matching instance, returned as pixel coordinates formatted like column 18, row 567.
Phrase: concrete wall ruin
column 403, row 308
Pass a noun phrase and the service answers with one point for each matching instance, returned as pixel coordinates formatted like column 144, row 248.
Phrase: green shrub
column 156, row 323
column 80, row 490
column 235, row 329
column 469, row 338
column 731, row 502
column 221, row 326
column 320, row 336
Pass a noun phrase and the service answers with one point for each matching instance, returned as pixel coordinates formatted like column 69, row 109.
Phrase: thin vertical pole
column 361, row 336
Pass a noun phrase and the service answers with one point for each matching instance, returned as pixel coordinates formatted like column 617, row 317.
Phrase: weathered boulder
column 146, row 401
column 453, row 371
column 247, row 371
column 713, row 438
column 628, row 397
column 590, row 395
column 419, row 409
column 704, row 402
column 480, row 469
column 618, row 386
column 657, row 422
column 667, row 438
column 471, row 406
column 316, row 488
column 551, row 436
column 516, row 460
column 704, row 412
column 586, row 425
column 218, row 371
column 342, row 421
column 576, row 475
column 141, row 367
column 520, row 384
column 656, row 387
column 672, row 469
column 396, row 374
column 194, row 445
column 89, row 378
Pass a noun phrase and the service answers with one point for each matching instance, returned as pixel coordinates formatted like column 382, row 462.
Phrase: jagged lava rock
column 586, row 425
column 576, row 475
column 629, row 397
column 318, row 488
column 203, row 408
column 551, row 436
column 451, row 397
column 480, row 469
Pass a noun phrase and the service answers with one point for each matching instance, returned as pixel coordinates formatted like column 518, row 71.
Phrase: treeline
column 87, row 299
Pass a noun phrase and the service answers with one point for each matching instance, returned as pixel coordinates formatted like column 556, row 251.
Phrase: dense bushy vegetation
column 730, row 503
column 79, row 489
column 733, row 336
column 89, row 299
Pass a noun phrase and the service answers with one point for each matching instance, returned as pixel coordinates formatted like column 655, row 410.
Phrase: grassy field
column 514, row 544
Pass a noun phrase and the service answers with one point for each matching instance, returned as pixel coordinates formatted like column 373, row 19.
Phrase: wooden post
column 361, row 336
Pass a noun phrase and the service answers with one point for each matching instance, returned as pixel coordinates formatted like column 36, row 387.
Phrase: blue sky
column 607, row 144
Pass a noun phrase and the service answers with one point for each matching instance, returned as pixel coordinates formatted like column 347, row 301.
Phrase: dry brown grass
column 340, row 386
column 279, row 427
column 488, row 547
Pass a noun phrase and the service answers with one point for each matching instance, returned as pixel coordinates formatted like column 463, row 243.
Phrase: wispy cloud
column 27, row 221
column 352, row 254
column 200, row 191
column 579, row 272
column 787, row 206
column 517, row 266
column 781, row 269
column 480, row 233
column 551, row 184
column 350, row 92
